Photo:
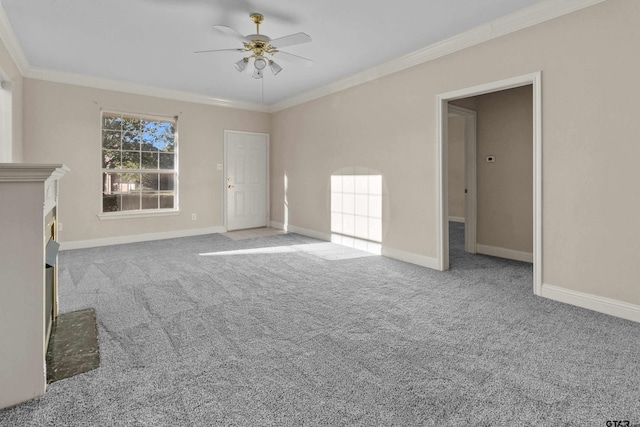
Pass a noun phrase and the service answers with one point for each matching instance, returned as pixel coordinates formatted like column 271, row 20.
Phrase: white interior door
column 246, row 160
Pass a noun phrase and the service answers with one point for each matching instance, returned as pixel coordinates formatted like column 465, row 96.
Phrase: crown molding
column 8, row 37
column 536, row 14
column 137, row 89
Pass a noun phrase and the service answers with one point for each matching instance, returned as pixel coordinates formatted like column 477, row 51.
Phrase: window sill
column 138, row 214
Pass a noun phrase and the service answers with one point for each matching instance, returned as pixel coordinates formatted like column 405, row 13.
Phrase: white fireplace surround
column 28, row 193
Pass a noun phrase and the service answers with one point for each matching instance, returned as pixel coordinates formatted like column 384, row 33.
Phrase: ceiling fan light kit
column 242, row 64
column 257, row 74
column 263, row 49
column 260, row 62
column 275, row 68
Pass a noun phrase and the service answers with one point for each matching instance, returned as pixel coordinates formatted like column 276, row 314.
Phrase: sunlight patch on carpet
column 327, row 251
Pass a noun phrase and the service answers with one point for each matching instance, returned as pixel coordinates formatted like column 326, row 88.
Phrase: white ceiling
column 151, row 42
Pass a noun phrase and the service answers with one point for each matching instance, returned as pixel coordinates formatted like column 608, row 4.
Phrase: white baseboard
column 303, row 231
column 119, row 240
column 456, row 219
column 409, row 257
column 504, row 253
column 278, row 225
column 604, row 305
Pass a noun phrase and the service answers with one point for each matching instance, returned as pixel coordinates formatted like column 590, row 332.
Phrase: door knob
column 230, row 186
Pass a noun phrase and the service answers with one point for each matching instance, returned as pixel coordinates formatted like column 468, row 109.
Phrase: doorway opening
column 454, row 105
column 461, row 144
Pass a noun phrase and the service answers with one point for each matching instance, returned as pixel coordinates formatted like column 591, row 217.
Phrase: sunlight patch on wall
column 6, row 139
column 286, row 203
column 356, row 206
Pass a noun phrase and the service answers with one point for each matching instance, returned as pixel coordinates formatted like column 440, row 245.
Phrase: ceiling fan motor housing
column 259, row 38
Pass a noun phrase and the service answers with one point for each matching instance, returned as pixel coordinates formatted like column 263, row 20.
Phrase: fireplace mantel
column 28, row 203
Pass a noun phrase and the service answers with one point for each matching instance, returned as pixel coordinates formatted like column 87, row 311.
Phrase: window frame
column 140, row 212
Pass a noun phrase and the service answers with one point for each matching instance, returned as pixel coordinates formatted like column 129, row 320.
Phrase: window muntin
column 139, row 163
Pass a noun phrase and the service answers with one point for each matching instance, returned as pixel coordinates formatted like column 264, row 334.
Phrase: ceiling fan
column 263, row 49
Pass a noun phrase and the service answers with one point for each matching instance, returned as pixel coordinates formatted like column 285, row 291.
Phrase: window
column 139, row 163
column 356, row 206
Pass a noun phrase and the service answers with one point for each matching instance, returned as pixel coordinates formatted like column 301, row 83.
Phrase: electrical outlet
column 194, row 217
column 59, row 226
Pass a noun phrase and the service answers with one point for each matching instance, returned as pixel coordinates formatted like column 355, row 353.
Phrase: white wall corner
column 600, row 304
column 278, row 225
column 136, row 238
column 504, row 253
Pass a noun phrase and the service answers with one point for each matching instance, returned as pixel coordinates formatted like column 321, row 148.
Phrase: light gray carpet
column 289, row 331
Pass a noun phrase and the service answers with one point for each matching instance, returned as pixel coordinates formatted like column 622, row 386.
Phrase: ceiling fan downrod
column 257, row 19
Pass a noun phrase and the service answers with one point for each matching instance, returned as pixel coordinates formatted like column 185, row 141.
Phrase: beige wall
column 590, row 234
column 456, row 132
column 590, row 240
column 12, row 73
column 62, row 124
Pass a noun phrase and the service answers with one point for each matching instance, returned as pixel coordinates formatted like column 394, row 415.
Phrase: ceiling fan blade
column 290, row 40
column 220, row 50
column 231, row 32
column 293, row 58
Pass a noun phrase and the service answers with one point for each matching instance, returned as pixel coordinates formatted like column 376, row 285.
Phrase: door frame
column 225, row 193
column 442, row 109
column 470, row 199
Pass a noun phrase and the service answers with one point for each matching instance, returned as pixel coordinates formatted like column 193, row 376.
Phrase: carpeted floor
column 285, row 330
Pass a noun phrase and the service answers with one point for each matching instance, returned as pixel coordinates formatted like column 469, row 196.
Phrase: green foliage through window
column 139, row 165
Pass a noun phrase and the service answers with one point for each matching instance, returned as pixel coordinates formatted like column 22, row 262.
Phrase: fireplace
column 28, row 215
column 51, row 274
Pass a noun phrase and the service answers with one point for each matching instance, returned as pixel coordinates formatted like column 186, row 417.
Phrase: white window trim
column 107, row 216
column 143, row 213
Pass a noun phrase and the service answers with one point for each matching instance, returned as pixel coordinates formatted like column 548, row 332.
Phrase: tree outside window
column 139, row 163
